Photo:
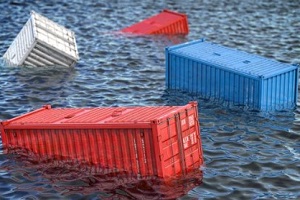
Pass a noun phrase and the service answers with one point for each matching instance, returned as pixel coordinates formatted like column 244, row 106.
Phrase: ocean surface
column 248, row 154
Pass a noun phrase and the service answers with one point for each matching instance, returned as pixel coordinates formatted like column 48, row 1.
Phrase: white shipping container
column 42, row 42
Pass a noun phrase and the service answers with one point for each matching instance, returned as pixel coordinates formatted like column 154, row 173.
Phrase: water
column 248, row 155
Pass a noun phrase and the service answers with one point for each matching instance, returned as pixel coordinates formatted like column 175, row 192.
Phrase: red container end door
column 180, row 143
column 166, row 22
column 146, row 141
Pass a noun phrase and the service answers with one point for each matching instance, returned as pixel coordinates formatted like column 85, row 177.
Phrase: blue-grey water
column 248, row 155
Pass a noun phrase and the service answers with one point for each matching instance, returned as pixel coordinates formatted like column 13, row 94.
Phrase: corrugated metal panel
column 47, row 116
column 18, row 50
column 166, row 22
column 43, row 42
column 167, row 143
column 98, row 115
column 55, row 35
column 94, row 115
column 276, row 90
column 145, row 114
column 231, row 59
column 235, row 76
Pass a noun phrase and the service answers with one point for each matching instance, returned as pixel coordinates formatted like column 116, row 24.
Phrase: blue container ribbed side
column 248, row 80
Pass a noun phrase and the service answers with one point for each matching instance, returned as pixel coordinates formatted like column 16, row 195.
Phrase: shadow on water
column 77, row 180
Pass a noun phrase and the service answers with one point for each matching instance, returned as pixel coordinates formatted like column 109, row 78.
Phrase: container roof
column 231, row 59
column 157, row 22
column 95, row 115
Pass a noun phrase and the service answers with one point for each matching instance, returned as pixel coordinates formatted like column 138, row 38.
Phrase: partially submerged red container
column 148, row 141
column 166, row 22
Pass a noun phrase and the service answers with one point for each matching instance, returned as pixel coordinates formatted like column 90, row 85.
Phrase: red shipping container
column 148, row 141
column 166, row 22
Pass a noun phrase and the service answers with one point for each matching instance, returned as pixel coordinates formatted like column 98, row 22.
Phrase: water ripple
column 248, row 154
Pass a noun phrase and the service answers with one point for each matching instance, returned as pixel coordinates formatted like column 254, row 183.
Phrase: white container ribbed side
column 42, row 42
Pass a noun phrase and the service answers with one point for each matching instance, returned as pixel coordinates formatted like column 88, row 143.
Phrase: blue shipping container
column 212, row 70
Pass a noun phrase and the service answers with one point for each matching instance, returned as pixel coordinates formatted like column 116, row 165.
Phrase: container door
column 189, row 143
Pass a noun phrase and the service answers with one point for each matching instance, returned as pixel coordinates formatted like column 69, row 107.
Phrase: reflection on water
column 248, row 154
column 74, row 179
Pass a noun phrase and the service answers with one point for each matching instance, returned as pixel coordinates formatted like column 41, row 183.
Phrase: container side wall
column 279, row 92
column 167, row 70
column 150, row 154
column 93, row 147
column 69, row 140
column 26, row 139
column 124, row 151
column 41, row 143
column 21, row 46
column 297, row 83
column 223, row 73
column 3, row 136
column 56, row 36
column 173, row 67
column 133, row 151
column 155, row 144
column 211, row 82
column 130, row 150
column 40, row 31
column 178, row 27
column 101, row 150
column 48, row 143
column 19, row 137
column 155, row 148
column 116, row 149
column 57, row 146
column 45, row 55
column 169, row 148
column 87, row 153
column 11, row 138
column 140, row 151
column 108, row 147
column 163, row 23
